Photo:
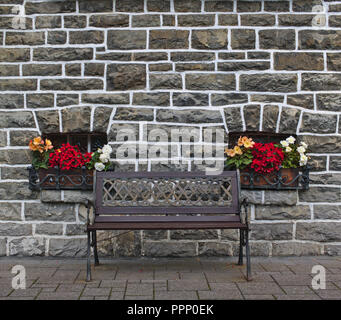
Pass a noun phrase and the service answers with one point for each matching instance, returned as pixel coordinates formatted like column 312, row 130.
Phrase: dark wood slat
column 166, row 225
column 133, row 219
column 167, row 210
column 156, row 175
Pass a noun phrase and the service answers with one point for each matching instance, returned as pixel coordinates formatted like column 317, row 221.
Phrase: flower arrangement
column 67, row 157
column 100, row 159
column 241, row 155
column 41, row 152
column 265, row 158
column 294, row 154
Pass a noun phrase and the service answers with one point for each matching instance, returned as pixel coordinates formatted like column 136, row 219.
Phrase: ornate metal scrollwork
column 60, row 180
column 277, row 181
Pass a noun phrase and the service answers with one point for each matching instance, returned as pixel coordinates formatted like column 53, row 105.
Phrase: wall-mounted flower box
column 65, row 168
column 56, row 179
column 284, row 179
column 279, row 166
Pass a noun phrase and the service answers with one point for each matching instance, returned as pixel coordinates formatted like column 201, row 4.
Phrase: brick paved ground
column 160, row 279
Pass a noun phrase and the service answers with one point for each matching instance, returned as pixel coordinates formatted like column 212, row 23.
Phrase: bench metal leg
column 241, row 243
column 88, row 266
column 94, row 244
column 248, row 261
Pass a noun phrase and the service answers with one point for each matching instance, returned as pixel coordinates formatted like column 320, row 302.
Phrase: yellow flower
column 246, row 142
column 48, row 145
column 249, row 143
column 37, row 141
column 230, row 152
column 32, row 146
column 237, row 150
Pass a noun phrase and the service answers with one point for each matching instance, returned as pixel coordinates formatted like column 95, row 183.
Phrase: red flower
column 266, row 158
column 69, row 157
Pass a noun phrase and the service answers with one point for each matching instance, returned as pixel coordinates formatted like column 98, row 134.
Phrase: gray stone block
column 318, row 231
column 170, row 249
column 293, row 248
column 10, row 211
column 49, row 212
column 282, row 212
column 271, row 231
column 15, row 229
column 72, row 247
column 27, row 247
column 288, row 198
column 49, row 229
column 215, row 249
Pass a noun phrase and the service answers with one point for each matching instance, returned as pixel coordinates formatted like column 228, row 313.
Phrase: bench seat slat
column 230, row 218
column 165, row 225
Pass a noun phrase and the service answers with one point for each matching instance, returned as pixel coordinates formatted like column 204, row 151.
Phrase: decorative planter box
column 284, row 179
column 56, row 179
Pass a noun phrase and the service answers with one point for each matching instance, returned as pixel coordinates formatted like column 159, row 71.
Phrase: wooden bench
column 165, row 201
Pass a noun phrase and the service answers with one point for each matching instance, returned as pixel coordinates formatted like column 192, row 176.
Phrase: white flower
column 284, row 143
column 301, row 150
column 291, row 140
column 107, row 149
column 288, row 149
column 104, row 157
column 304, row 145
column 99, row 150
column 99, row 166
column 303, row 160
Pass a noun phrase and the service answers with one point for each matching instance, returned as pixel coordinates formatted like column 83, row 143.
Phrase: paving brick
column 187, row 285
column 96, row 292
column 220, row 295
column 259, row 288
column 176, row 295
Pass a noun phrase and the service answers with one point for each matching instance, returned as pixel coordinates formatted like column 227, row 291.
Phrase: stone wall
column 82, row 66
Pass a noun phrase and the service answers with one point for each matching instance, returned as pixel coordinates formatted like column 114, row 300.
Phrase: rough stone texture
column 318, row 123
column 27, row 246
column 242, row 39
column 270, row 117
column 277, row 39
column 126, row 39
column 276, row 231
column 76, row 119
column 321, row 194
column 169, row 249
column 288, row 198
column 282, row 213
column 109, row 66
column 327, row 212
column 49, row 212
column 201, row 81
column 289, row 120
column 268, row 82
column 209, row 39
column 296, row 249
column 298, row 61
column 67, row 247
column 126, row 77
column 329, row 102
column 48, row 121
column 318, row 231
column 172, row 39
column 10, row 211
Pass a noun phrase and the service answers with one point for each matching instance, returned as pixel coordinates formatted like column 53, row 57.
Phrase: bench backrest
column 155, row 193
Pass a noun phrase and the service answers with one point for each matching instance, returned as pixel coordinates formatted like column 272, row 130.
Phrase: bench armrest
column 243, row 211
